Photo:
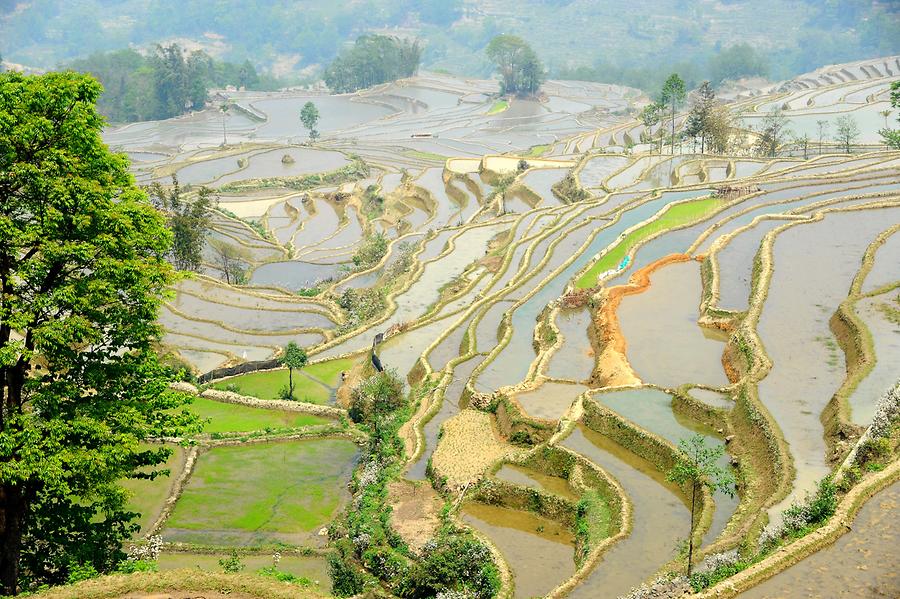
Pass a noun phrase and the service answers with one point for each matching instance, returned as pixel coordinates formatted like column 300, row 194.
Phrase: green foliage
column 453, row 561
column 309, row 116
column 521, row 71
column 373, row 59
column 774, row 132
column 672, row 95
column 273, row 572
column 293, row 357
column 734, row 62
column 162, row 85
column 372, row 202
column 376, row 397
column 592, row 516
column 188, row 220
column 370, row 251
column 846, row 131
column 232, row 260
column 232, row 564
column 130, row 566
column 707, row 578
column 360, row 306
column 83, row 270
column 695, row 468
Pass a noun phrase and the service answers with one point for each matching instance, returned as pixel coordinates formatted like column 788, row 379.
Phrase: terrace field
column 563, row 301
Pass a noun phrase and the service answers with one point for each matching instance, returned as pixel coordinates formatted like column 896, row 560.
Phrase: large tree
column 188, row 219
column 521, row 71
column 82, row 275
column 699, row 118
column 672, row 96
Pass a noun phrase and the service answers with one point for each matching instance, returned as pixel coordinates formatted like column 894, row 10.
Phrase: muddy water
column 789, row 200
column 887, row 265
column 540, row 552
column 736, row 265
column 403, row 351
column 549, row 401
column 886, row 337
column 173, row 322
column 652, row 410
column 862, row 563
column 598, row 169
column 575, row 359
column 665, row 346
column 293, row 274
column 541, row 182
column 511, row 365
column 449, row 407
column 802, row 296
column 534, row 479
column 712, row 398
column 469, row 246
column 660, row 518
column 269, row 164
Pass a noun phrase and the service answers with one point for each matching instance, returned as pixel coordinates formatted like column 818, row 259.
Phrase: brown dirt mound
column 415, row 512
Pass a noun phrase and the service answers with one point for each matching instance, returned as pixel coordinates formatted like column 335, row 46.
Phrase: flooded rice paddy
column 498, row 284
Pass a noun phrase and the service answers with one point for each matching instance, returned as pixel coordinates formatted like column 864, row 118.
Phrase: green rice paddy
column 675, row 216
column 498, row 107
column 268, row 492
column 266, row 384
column 227, row 418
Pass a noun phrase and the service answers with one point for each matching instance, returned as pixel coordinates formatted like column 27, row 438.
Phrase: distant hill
column 298, row 38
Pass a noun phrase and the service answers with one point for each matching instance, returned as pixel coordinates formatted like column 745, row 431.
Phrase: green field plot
column 228, row 418
column 266, row 384
column 263, row 493
column 675, row 216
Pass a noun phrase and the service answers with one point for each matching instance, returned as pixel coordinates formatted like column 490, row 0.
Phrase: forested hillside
column 573, row 37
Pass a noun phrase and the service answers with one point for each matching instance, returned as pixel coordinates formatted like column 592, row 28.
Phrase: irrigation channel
column 556, row 351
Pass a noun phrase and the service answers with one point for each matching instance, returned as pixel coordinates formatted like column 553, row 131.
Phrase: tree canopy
column 521, row 71
column 164, row 84
column 372, row 60
column 82, row 276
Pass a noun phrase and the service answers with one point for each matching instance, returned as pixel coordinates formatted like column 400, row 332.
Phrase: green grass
column 263, row 492
column 266, row 384
column 675, row 216
column 425, row 155
column 537, row 151
column 313, row 567
column 498, row 107
column 227, row 418
column 148, row 496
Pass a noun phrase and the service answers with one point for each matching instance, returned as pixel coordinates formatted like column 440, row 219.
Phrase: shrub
column 233, row 388
column 231, row 564
column 453, row 562
column 285, row 394
column 274, row 572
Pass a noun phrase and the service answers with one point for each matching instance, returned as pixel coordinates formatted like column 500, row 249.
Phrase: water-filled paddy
column 807, row 368
column 264, row 492
column 660, row 518
column 665, row 345
column 540, row 552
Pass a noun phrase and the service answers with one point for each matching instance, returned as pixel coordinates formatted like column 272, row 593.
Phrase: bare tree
column 847, row 131
column 231, row 260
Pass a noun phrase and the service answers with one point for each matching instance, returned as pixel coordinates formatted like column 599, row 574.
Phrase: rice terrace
column 408, row 330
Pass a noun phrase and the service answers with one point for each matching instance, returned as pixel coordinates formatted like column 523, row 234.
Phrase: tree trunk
column 291, row 381
column 691, row 535
column 12, row 517
column 673, row 128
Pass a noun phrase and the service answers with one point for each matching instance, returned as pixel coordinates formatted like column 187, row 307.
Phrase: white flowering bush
column 887, row 413
column 148, row 551
column 719, row 560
